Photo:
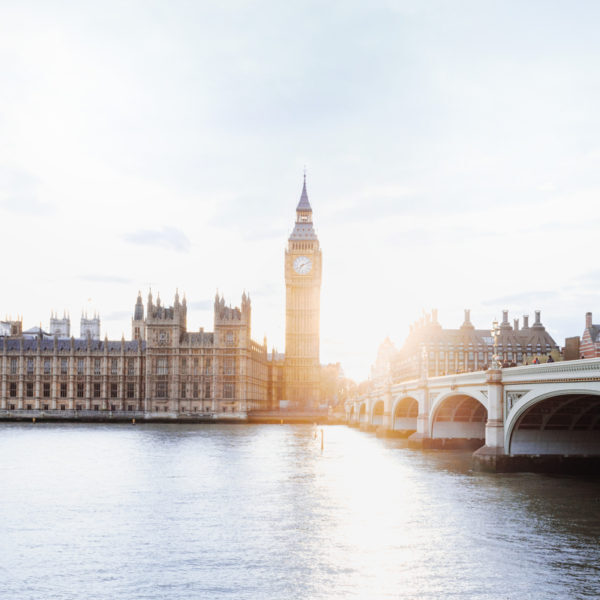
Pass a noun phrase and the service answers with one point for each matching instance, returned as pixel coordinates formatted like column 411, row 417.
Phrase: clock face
column 302, row 265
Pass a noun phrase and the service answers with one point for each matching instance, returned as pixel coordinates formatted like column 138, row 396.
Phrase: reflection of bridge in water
column 537, row 417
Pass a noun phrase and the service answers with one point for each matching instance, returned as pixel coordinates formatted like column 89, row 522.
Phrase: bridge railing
column 566, row 369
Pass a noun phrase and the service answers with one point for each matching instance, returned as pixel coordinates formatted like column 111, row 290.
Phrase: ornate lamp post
column 495, row 334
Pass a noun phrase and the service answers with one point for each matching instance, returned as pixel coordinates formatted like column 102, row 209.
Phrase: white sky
column 453, row 156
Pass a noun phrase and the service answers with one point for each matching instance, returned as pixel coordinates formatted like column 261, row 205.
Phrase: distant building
column 11, row 328
column 170, row 370
column 590, row 340
column 303, row 268
column 89, row 327
column 60, row 327
column 165, row 367
column 36, row 332
column 572, row 349
column 437, row 351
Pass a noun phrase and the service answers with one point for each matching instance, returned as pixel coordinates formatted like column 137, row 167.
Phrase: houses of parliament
column 166, row 369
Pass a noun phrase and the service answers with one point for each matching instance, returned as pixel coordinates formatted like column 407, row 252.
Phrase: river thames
column 243, row 511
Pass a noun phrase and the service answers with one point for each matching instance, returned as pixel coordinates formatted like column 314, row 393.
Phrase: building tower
column 303, row 264
column 60, row 327
column 90, row 327
column 138, row 324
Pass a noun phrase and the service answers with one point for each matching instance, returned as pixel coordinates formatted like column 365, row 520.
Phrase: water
column 233, row 511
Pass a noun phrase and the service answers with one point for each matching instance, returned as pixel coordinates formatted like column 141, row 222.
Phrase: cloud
column 265, row 290
column 19, row 193
column 201, row 304
column 117, row 315
column 522, row 298
column 591, row 277
column 171, row 238
column 257, row 234
column 105, row 279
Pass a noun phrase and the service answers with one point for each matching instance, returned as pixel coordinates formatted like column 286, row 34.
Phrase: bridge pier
column 491, row 456
column 542, row 418
column 536, row 463
column 422, row 437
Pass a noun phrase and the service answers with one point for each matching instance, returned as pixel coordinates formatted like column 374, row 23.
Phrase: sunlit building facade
column 166, row 369
column 431, row 349
column 303, row 265
column 590, row 340
column 163, row 369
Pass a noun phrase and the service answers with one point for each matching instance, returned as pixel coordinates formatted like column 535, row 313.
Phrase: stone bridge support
column 528, row 418
column 421, row 437
column 386, row 427
column 486, row 457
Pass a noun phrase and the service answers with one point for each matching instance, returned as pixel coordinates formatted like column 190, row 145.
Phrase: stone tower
column 89, row 326
column 165, row 329
column 303, row 264
column 138, row 324
column 232, row 324
column 60, row 327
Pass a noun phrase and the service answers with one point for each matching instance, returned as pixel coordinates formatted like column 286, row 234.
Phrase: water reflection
column 260, row 512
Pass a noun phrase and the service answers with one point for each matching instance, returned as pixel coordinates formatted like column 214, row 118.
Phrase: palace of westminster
column 165, row 368
column 169, row 371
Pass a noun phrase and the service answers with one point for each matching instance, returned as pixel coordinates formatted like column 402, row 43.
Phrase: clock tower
column 302, row 309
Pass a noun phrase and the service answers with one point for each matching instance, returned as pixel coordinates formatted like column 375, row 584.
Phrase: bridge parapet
column 564, row 370
column 549, row 409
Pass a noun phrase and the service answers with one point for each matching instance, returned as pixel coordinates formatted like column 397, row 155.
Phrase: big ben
column 303, row 264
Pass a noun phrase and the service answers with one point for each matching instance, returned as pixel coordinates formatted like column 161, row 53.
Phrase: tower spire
column 304, row 204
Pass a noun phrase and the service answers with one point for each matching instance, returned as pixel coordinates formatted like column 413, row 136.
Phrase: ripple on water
column 166, row 512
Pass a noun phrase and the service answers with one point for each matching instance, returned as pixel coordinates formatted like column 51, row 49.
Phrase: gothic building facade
column 167, row 370
column 303, row 263
column 434, row 350
column 163, row 369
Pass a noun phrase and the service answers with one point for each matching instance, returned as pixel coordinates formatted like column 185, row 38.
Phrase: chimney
column 588, row 320
column 467, row 315
column 537, row 317
column 504, row 317
column 516, row 324
column 525, row 321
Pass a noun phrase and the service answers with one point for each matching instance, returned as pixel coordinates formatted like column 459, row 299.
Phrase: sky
column 452, row 153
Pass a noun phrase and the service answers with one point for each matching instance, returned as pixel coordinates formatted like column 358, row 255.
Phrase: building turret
column 303, row 269
column 467, row 322
column 60, row 327
column 505, row 325
column 232, row 324
column 138, row 311
column 165, row 325
column 138, row 324
column 90, row 327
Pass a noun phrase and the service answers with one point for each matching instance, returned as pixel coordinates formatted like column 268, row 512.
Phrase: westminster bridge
column 537, row 417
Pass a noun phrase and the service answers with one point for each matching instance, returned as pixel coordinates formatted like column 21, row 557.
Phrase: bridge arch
column 351, row 414
column 560, row 421
column 405, row 411
column 458, row 415
column 377, row 412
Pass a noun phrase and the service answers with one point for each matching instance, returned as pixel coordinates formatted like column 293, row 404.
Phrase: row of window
column 162, row 366
column 529, row 348
column 63, row 391
column 64, row 366
column 470, row 356
column 113, row 407
column 228, row 390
